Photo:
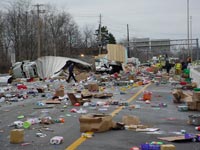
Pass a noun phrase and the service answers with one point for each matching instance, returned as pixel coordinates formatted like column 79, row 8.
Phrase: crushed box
column 196, row 96
column 16, row 136
column 191, row 105
column 93, row 87
column 167, row 147
column 130, row 120
column 60, row 92
column 95, row 122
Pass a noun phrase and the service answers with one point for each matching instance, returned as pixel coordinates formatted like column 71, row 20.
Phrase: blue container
column 189, row 136
column 150, row 147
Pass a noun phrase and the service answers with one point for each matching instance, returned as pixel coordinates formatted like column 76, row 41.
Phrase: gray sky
column 146, row 18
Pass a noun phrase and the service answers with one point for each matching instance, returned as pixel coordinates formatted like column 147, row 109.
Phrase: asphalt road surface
column 168, row 119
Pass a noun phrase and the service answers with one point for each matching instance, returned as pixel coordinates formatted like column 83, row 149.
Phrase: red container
column 183, row 83
column 135, row 148
column 197, row 128
column 147, row 95
column 21, row 86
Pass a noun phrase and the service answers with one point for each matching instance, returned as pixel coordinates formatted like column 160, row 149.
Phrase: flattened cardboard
column 60, row 92
column 93, row 87
column 174, row 138
column 196, row 96
column 130, row 120
column 53, row 102
column 147, row 130
column 95, row 123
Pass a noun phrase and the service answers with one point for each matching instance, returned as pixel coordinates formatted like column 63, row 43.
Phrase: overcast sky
column 166, row 19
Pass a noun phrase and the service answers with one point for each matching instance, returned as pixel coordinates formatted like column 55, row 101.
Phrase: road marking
column 80, row 140
column 129, row 100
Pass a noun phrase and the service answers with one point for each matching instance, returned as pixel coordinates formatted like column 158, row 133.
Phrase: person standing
column 167, row 66
column 71, row 72
column 178, row 68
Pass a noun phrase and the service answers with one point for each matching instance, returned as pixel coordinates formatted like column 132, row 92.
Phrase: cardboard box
column 177, row 95
column 196, row 96
column 180, row 96
column 198, row 106
column 130, row 120
column 16, row 136
column 103, row 95
column 86, row 95
column 95, row 123
column 167, row 147
column 191, row 105
column 82, row 76
column 187, row 99
column 93, row 87
column 60, row 92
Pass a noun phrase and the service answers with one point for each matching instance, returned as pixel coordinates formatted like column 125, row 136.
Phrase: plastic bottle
column 60, row 120
column 197, row 128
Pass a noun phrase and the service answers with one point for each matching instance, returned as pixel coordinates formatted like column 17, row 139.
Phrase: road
column 168, row 119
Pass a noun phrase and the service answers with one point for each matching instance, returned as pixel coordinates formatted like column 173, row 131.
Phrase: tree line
column 21, row 24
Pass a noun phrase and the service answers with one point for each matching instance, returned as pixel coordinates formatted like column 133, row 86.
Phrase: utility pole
column 188, row 27
column 100, row 42
column 191, row 36
column 128, row 48
column 39, row 11
column 26, row 28
column 197, row 41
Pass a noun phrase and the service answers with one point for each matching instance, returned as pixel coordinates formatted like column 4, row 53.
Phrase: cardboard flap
column 90, row 120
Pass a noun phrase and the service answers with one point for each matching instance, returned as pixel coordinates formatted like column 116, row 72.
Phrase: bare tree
column 89, row 37
column 60, row 35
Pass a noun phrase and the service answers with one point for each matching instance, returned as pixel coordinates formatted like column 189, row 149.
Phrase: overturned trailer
column 46, row 67
column 113, row 60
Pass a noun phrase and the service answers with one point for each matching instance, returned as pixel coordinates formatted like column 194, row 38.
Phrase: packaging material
column 56, row 140
column 113, row 52
column 72, row 98
column 53, row 102
column 173, row 138
column 82, row 76
column 179, row 95
column 95, row 122
column 75, row 100
column 191, row 105
column 86, row 95
column 60, row 92
column 150, row 147
column 198, row 106
column 16, row 136
column 130, row 120
column 147, row 95
column 93, row 87
column 118, row 126
column 183, row 108
column 103, row 95
column 187, row 99
column 167, row 147
column 165, row 78
column 196, row 96
column 40, row 90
